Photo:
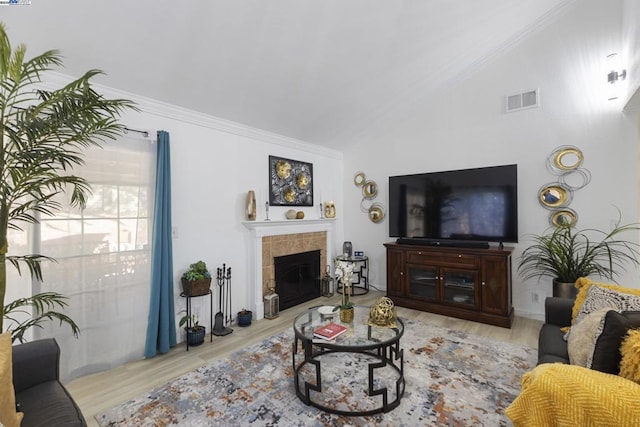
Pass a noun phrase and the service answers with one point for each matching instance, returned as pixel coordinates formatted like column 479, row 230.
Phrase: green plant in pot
column 42, row 137
column 196, row 280
column 565, row 254
column 195, row 331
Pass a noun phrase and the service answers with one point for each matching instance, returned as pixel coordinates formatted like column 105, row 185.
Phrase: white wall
column 465, row 126
column 213, row 165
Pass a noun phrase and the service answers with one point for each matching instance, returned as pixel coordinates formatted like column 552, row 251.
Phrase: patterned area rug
column 452, row 379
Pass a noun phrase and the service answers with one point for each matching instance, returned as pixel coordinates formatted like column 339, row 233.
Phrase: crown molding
column 54, row 80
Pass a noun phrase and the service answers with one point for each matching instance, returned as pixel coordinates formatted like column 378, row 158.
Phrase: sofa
column 552, row 347
column 39, row 394
column 600, row 389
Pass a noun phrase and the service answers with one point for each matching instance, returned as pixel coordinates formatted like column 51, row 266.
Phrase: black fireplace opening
column 297, row 278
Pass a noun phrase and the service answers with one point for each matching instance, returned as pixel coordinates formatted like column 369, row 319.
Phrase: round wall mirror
column 369, row 189
column 359, row 179
column 554, row 195
column 566, row 158
column 563, row 218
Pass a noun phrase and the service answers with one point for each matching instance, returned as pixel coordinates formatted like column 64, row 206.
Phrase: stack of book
column 329, row 331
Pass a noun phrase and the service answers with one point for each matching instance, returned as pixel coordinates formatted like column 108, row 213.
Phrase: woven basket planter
column 196, row 288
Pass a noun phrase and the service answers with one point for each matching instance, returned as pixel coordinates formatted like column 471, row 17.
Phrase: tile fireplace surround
column 270, row 239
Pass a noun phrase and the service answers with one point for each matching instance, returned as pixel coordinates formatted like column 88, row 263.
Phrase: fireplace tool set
column 223, row 279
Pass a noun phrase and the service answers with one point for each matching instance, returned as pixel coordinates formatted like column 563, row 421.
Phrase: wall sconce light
column 616, row 73
column 613, row 60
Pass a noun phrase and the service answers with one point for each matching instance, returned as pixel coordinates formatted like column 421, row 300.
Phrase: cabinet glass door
column 460, row 287
column 423, row 282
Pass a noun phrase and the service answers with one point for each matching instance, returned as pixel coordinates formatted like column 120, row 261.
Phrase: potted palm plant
column 42, row 137
column 566, row 254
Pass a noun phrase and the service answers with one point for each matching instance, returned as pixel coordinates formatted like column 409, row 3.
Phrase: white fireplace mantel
column 260, row 229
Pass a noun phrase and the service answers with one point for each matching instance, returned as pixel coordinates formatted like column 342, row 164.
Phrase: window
column 103, row 258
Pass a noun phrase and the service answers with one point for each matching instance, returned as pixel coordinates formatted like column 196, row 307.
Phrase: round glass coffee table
column 359, row 373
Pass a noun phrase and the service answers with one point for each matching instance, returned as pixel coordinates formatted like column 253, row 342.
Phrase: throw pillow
column 606, row 354
column 582, row 339
column 584, row 286
column 618, row 299
column 8, row 415
column 630, row 364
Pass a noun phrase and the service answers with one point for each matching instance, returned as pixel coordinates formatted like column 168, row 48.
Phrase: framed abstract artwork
column 290, row 182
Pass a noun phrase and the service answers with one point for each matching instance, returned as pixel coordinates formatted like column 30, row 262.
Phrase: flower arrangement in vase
column 344, row 270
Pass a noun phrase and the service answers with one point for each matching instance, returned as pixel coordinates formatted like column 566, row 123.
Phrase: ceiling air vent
column 522, row 101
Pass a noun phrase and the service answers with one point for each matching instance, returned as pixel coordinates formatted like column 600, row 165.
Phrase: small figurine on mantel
column 329, row 209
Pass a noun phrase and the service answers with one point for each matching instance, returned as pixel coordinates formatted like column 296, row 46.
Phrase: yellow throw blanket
column 555, row 394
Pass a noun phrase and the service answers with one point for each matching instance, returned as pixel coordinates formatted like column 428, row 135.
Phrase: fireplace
column 270, row 239
column 297, row 278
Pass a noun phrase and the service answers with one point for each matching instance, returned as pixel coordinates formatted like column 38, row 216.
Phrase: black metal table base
column 386, row 355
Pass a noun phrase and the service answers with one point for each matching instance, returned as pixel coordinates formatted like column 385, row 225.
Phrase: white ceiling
column 311, row 70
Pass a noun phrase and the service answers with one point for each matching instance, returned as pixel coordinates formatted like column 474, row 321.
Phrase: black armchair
column 39, row 393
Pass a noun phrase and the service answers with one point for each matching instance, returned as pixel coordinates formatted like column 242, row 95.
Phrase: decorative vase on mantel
column 251, row 205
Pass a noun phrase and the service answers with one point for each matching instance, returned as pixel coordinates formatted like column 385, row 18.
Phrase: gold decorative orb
column 290, row 214
column 383, row 313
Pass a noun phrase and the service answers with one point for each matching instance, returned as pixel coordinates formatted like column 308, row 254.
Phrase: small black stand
column 223, row 279
column 188, row 297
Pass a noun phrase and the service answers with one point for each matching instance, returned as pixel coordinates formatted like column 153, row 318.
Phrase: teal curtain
column 161, row 328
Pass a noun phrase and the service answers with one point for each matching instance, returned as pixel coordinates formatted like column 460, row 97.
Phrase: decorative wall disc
column 376, row 212
column 370, row 189
column 565, row 158
column 563, row 218
column 554, row 195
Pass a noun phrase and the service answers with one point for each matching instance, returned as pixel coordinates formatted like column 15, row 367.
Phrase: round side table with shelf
column 359, row 286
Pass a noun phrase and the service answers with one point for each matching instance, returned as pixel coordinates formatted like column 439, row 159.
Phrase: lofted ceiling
column 311, row 70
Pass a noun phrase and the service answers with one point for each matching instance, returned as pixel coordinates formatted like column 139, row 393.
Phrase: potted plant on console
column 197, row 280
column 344, row 270
column 566, row 254
column 195, row 331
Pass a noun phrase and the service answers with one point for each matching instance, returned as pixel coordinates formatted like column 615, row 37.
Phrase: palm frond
column 43, row 135
column 43, row 306
column 32, row 262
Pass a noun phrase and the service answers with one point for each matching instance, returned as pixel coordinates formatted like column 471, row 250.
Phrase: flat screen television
column 468, row 205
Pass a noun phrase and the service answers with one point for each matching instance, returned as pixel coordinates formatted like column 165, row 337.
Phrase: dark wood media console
column 468, row 283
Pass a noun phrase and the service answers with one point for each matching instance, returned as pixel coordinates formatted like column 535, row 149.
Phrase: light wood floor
column 101, row 391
